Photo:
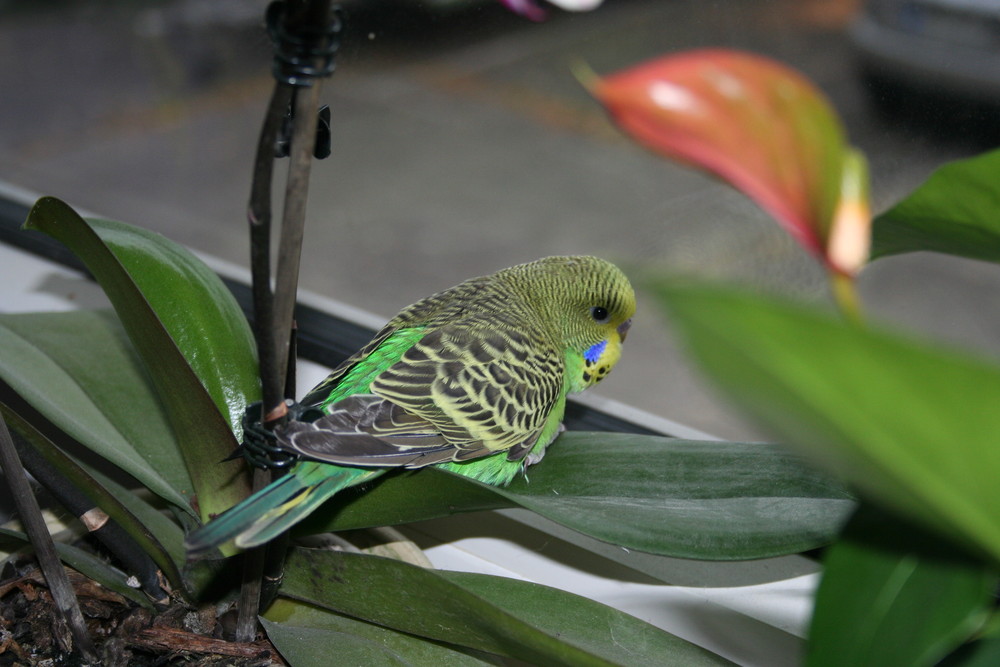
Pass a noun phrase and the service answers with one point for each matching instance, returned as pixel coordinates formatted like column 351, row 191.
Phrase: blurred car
column 950, row 47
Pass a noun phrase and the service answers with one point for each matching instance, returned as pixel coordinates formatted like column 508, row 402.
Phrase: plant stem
column 34, row 525
column 585, row 74
column 283, row 306
column 265, row 331
column 845, row 295
column 293, row 219
column 259, row 215
column 253, row 571
column 274, row 312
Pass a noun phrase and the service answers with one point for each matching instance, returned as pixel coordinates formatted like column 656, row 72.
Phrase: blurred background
column 462, row 144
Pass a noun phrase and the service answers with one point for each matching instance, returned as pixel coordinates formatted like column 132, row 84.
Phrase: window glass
column 462, row 143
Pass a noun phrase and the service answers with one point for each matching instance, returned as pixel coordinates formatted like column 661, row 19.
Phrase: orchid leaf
column 691, row 499
column 983, row 652
column 191, row 336
column 303, row 634
column 79, row 370
column 132, row 514
column 512, row 618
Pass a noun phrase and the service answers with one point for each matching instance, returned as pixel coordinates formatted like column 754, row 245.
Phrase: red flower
column 762, row 127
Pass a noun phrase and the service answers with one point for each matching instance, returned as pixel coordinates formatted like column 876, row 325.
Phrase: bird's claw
column 260, row 445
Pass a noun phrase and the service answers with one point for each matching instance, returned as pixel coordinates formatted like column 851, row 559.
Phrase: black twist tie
column 308, row 53
column 260, row 446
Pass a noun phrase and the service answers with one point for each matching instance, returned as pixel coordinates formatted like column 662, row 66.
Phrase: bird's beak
column 623, row 328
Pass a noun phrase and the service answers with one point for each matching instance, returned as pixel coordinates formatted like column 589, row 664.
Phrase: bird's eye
column 600, row 314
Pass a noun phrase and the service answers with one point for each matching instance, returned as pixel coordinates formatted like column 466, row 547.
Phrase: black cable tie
column 308, row 53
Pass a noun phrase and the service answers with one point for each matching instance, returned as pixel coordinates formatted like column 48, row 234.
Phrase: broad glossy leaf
column 304, row 634
column 182, row 322
column 911, row 423
column 754, row 122
column 692, row 499
column 514, row 618
column 894, row 594
column 79, row 370
column 956, row 211
column 198, row 311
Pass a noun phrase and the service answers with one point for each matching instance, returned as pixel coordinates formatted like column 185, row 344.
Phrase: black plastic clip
column 323, row 140
column 260, row 445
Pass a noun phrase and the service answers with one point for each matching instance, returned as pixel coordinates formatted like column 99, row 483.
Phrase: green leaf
column 690, row 499
column 908, row 422
column 167, row 531
column 982, row 653
column 513, row 618
column 79, row 370
column 197, row 310
column 121, row 505
column 188, row 333
column 304, row 634
column 956, row 211
column 894, row 594
column 91, row 566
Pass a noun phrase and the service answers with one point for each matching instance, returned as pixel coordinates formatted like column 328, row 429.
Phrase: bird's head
column 591, row 303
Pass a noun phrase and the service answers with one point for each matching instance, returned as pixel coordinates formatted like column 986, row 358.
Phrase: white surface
column 782, row 606
column 759, row 625
column 752, row 625
column 32, row 285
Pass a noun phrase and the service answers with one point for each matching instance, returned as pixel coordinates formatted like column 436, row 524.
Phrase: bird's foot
column 261, row 447
column 533, row 458
column 538, row 453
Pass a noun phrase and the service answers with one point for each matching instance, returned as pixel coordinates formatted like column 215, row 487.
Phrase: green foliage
column 155, row 389
column 895, row 594
column 875, row 407
column 957, row 211
column 304, row 634
column 979, row 653
column 80, row 371
column 908, row 422
column 506, row 617
column 141, row 521
column 688, row 499
column 192, row 338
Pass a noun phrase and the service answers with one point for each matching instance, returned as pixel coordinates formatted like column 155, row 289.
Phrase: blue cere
column 595, row 352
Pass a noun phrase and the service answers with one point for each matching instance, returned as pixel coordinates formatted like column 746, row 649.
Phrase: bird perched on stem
column 473, row 379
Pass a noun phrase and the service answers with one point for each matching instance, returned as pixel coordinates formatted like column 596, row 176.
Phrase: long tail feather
column 275, row 508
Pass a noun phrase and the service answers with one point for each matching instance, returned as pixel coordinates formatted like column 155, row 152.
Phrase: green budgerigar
column 473, row 380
